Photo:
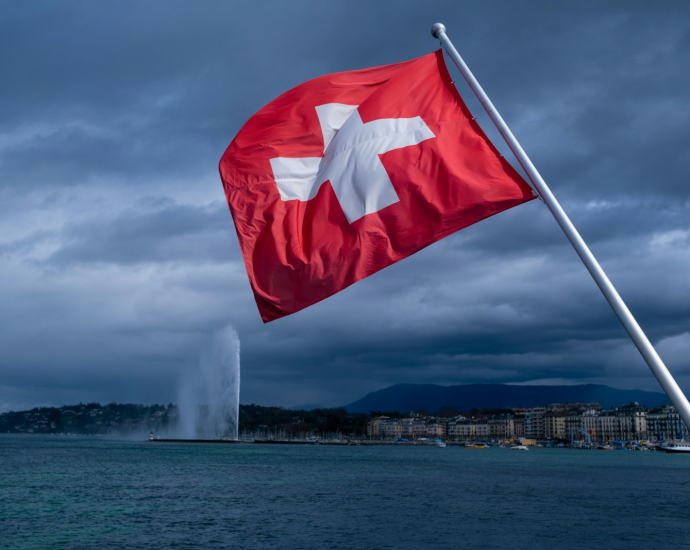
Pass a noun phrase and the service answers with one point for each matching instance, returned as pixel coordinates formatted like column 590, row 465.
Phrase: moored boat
column 676, row 447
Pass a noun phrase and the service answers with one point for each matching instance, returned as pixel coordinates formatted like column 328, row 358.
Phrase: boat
column 474, row 446
column 676, row 447
column 441, row 444
column 519, row 448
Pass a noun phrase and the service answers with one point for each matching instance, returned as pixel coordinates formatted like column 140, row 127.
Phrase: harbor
column 519, row 444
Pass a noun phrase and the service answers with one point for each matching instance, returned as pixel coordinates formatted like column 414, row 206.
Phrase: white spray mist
column 209, row 397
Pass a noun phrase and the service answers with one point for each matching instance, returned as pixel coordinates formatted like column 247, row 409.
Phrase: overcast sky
column 119, row 259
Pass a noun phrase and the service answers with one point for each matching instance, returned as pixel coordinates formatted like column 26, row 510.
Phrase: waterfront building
column 632, row 422
column 664, row 424
column 625, row 423
column 501, row 427
column 554, row 425
column 581, row 424
column 607, row 426
column 375, row 427
column 519, row 425
column 436, row 428
column 534, row 423
column 411, row 427
column 469, row 429
column 391, row 429
column 452, row 426
column 587, row 424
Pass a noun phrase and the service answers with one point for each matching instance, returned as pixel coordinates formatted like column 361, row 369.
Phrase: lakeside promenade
column 507, row 444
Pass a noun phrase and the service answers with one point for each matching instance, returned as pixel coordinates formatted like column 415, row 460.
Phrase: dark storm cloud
column 118, row 255
column 156, row 231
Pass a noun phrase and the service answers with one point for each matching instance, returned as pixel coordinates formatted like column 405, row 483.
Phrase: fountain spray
column 209, row 397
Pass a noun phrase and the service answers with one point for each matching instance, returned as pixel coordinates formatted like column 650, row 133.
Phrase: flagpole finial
column 437, row 28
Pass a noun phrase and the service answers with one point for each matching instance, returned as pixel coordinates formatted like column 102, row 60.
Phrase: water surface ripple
column 85, row 493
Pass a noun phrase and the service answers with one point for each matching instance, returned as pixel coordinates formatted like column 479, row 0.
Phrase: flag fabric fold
column 351, row 172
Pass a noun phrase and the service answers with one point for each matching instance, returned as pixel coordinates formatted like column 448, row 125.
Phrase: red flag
column 351, row 172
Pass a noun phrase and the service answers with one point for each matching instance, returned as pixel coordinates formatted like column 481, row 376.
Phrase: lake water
column 98, row 493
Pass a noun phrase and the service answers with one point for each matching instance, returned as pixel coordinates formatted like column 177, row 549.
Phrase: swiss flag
column 351, row 172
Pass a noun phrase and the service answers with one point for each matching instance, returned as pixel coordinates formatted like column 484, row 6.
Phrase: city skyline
column 571, row 423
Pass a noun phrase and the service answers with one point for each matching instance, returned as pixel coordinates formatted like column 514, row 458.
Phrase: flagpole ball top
column 437, row 28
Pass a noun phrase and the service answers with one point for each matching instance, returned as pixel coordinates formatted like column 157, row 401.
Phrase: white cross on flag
column 351, row 172
column 350, row 160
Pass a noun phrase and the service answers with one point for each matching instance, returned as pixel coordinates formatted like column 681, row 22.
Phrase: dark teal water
column 72, row 493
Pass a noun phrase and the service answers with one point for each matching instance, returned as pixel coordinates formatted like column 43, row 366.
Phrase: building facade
column 586, row 423
column 664, row 424
column 534, row 423
column 554, row 425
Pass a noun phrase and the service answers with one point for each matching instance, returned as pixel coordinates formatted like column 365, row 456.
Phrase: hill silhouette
column 431, row 398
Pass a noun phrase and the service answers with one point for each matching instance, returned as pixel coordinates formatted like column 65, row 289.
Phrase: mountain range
column 431, row 398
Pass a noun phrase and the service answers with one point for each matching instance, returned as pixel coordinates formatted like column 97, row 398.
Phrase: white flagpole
column 669, row 385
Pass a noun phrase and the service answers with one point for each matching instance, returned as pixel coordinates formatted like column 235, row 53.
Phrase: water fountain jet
column 209, row 397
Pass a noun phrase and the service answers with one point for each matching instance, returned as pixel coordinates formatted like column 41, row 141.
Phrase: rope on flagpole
column 657, row 366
